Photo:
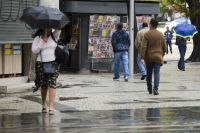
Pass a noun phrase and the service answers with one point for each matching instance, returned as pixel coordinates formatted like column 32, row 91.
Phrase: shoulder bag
column 48, row 67
column 61, row 51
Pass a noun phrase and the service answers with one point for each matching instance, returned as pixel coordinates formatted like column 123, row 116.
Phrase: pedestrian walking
column 168, row 36
column 44, row 46
column 182, row 47
column 153, row 50
column 120, row 43
column 138, row 45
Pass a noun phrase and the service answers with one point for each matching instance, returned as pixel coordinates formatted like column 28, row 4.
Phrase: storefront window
column 75, row 33
column 70, row 36
column 71, row 33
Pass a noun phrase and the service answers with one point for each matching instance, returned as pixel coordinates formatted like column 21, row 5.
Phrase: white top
column 47, row 48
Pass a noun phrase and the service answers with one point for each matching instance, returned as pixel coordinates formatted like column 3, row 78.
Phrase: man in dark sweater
column 153, row 50
column 120, row 43
column 182, row 47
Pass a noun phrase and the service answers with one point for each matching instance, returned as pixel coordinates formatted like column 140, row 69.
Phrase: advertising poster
column 100, row 32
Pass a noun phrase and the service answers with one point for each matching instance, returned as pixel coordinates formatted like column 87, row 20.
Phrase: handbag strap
column 54, row 39
column 41, row 55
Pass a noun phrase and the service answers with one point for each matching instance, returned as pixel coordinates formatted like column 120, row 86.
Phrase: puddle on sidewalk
column 152, row 100
column 71, row 98
column 183, row 119
column 72, row 85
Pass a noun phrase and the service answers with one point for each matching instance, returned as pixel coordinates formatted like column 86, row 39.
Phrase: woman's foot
column 44, row 110
column 51, row 112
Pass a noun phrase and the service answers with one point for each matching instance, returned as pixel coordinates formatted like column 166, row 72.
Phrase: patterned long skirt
column 45, row 80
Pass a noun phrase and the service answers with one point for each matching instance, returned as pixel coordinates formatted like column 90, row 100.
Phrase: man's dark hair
column 144, row 25
column 154, row 23
column 119, row 26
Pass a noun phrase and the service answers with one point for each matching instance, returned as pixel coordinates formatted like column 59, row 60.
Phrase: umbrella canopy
column 179, row 21
column 40, row 17
column 185, row 30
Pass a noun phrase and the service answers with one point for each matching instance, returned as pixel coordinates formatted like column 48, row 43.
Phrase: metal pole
column 131, row 33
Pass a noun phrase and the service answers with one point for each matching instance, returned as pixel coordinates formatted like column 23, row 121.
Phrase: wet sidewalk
column 150, row 120
column 96, row 104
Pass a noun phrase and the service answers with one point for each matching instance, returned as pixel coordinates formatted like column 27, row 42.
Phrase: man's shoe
column 126, row 79
column 115, row 79
column 183, row 69
column 143, row 77
column 155, row 92
column 180, row 67
column 149, row 90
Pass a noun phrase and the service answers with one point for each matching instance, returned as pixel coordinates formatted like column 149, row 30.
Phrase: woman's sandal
column 51, row 112
column 44, row 110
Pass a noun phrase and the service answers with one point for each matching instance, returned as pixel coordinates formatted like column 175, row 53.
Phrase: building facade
column 87, row 35
column 16, row 37
column 92, row 24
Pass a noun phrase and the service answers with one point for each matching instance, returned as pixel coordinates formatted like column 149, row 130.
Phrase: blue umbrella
column 185, row 30
column 179, row 21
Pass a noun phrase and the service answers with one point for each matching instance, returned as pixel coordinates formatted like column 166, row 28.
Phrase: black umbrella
column 40, row 17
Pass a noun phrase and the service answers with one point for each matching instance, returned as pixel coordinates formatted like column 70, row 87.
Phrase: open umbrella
column 185, row 30
column 40, row 17
column 179, row 21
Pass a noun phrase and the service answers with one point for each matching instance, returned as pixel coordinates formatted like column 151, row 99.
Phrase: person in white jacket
column 44, row 46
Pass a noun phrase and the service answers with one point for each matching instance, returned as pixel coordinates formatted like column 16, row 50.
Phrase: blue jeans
column 169, row 44
column 140, row 65
column 150, row 68
column 121, row 57
column 182, row 50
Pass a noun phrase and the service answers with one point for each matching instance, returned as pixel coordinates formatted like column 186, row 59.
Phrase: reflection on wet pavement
column 164, row 120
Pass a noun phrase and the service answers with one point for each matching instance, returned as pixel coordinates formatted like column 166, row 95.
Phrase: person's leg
column 44, row 88
column 52, row 94
column 116, row 65
column 149, row 67
column 179, row 62
column 140, row 65
column 52, row 90
column 170, row 46
column 183, row 61
column 167, row 47
column 44, row 96
column 125, row 64
column 38, row 76
column 156, row 77
column 182, row 54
